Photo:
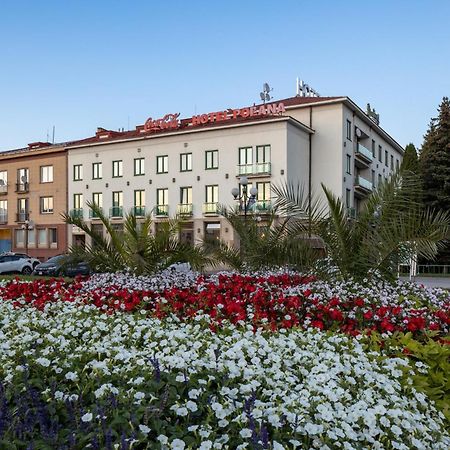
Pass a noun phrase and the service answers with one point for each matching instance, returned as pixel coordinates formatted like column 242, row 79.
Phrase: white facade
column 323, row 141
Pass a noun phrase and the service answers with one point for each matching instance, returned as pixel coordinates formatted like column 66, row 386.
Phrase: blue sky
column 81, row 64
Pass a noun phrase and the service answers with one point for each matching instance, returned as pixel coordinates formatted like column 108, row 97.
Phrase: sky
column 79, row 65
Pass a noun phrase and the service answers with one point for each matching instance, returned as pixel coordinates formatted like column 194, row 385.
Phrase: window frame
column 186, row 160
column 99, row 166
column 76, row 204
column 348, row 164
column 78, row 172
column 165, row 159
column 214, row 190
column 117, row 164
column 41, row 173
column 212, row 152
column 139, row 163
column 41, row 204
column 349, row 130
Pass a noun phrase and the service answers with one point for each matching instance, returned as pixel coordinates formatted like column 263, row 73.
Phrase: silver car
column 17, row 263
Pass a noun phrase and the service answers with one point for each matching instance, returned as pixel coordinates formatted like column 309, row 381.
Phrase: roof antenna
column 265, row 94
column 53, row 137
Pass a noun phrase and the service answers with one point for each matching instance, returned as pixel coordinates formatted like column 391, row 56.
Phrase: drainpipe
column 309, row 175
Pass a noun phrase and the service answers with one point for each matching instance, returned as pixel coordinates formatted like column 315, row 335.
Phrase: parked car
column 61, row 265
column 17, row 263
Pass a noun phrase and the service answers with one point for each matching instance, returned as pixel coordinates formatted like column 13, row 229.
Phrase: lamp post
column 245, row 197
column 27, row 226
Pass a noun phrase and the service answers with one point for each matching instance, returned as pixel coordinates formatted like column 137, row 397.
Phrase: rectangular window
column 22, row 209
column 348, row 202
column 42, row 237
column 3, row 177
column 139, row 168
column 3, row 211
column 117, row 199
column 46, row 174
column 185, row 162
column 186, row 195
column 139, row 198
column 19, row 236
column 380, row 154
column 379, row 179
column 212, row 193
column 397, row 164
column 162, row 197
column 373, row 178
column 162, row 164
column 349, row 130
column 32, row 237
column 263, row 190
column 392, row 162
column 373, row 148
column 262, row 154
column 23, row 176
column 348, row 164
column 211, row 159
column 46, row 205
column 117, row 169
column 78, row 201
column 77, row 172
column 245, row 156
column 53, row 235
column 97, row 171
column 386, row 158
column 97, row 199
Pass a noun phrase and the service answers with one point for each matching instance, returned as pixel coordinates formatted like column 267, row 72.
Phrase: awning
column 213, row 226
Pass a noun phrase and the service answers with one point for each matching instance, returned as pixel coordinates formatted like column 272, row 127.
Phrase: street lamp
column 27, row 226
column 247, row 199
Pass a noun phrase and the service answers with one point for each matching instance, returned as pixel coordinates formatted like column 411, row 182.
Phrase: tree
column 435, row 160
column 135, row 248
column 410, row 159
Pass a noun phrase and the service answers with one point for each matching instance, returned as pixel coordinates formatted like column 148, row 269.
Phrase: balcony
column 351, row 213
column 3, row 218
column 263, row 206
column 138, row 211
column 257, row 169
column 116, row 212
column 93, row 214
column 3, row 189
column 185, row 209
column 162, row 210
column 76, row 213
column 363, row 156
column 22, row 216
column 211, row 209
column 363, row 187
column 22, row 187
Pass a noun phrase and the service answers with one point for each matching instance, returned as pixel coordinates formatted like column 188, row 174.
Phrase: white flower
column 177, row 444
column 72, row 376
column 144, row 429
column 245, row 432
column 205, row 445
column 192, row 406
column 163, row 439
column 43, row 361
column 139, row 395
column 86, row 417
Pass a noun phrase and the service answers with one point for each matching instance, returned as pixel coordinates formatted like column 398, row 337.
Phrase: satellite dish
column 268, row 97
column 358, row 133
column 266, row 87
column 23, row 178
column 263, row 96
column 2, row 182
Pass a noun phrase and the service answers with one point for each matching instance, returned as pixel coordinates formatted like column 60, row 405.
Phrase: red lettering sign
column 169, row 121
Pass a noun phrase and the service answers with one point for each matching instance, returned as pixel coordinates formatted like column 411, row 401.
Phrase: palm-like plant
column 391, row 226
column 135, row 248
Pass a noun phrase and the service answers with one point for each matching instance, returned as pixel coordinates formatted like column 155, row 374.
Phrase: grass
column 29, row 277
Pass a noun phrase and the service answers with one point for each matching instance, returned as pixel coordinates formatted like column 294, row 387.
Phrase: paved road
column 443, row 282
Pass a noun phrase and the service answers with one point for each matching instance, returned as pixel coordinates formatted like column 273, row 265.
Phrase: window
column 32, row 237
column 245, row 156
column 46, row 205
column 211, row 159
column 77, row 172
column 162, row 202
column 22, row 209
column 348, row 164
column 117, row 199
column 380, row 154
column 386, row 158
column 53, row 234
column 185, row 162
column 373, row 178
column 348, row 203
column 117, row 169
column 46, row 174
column 263, row 190
column 3, row 211
column 349, row 130
column 78, row 201
column 3, row 177
column 19, row 236
column 139, row 166
column 397, row 164
column 23, row 179
column 392, row 162
column 42, row 237
column 379, row 179
column 262, row 154
column 186, row 195
column 139, row 198
column 97, row 171
column 162, row 164
column 212, row 193
column 373, row 148
column 97, row 199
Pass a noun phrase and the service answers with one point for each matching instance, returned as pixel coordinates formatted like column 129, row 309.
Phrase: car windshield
column 56, row 259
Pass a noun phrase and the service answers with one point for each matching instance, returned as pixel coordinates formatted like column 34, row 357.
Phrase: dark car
column 61, row 265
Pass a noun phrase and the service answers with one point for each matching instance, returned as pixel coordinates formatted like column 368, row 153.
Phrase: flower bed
column 228, row 361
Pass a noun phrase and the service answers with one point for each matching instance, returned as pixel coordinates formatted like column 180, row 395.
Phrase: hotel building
column 33, row 194
column 188, row 167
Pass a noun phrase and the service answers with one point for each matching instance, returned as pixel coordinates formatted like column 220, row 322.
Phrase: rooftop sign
column 169, row 121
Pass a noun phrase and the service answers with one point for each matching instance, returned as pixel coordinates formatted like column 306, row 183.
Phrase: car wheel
column 26, row 270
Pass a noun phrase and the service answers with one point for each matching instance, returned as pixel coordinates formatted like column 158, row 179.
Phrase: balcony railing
column 185, row 209
column 116, row 211
column 364, row 153
column 351, row 213
column 162, row 210
column 138, row 211
column 4, row 218
column 262, row 206
column 263, row 168
column 3, row 189
column 76, row 213
column 211, row 208
column 22, row 187
column 362, row 183
column 22, row 216
column 93, row 214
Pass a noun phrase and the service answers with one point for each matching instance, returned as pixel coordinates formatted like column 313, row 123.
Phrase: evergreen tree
column 434, row 160
column 410, row 160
